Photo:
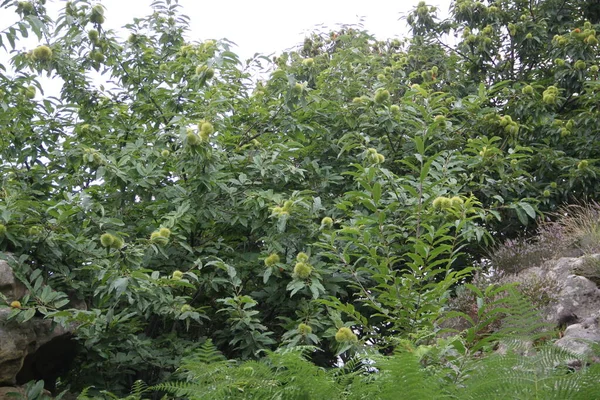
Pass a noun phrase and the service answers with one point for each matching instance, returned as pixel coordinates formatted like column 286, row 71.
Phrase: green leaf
column 27, row 314
column 528, row 209
column 376, row 192
column 267, row 274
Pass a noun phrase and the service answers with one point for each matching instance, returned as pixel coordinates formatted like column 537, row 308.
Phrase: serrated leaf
column 267, row 274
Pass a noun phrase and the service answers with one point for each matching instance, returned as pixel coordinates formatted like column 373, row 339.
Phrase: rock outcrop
column 10, row 286
column 576, row 304
column 33, row 350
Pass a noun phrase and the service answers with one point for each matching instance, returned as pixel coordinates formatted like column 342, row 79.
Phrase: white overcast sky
column 256, row 26
column 264, row 26
column 267, row 26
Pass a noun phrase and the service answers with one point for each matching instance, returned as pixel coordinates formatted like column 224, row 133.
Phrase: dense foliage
column 334, row 204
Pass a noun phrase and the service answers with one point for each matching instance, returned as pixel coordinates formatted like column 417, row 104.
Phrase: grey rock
column 20, row 340
column 577, row 306
column 576, row 296
column 10, row 286
column 579, row 338
column 26, row 349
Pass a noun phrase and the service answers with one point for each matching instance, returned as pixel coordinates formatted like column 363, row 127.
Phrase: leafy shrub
column 160, row 197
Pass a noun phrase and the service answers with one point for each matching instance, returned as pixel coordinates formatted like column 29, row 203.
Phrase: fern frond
column 399, row 376
column 138, row 388
column 180, row 389
column 522, row 320
column 300, row 378
column 542, row 374
column 280, row 375
column 589, row 383
column 351, row 370
column 208, row 353
column 84, row 394
column 502, row 312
